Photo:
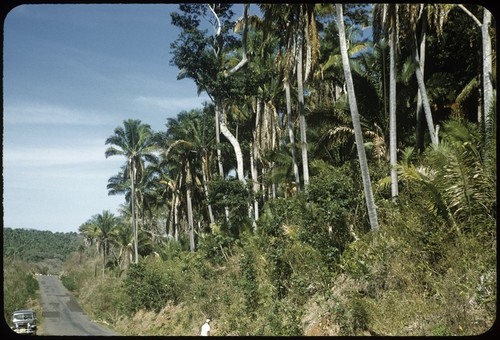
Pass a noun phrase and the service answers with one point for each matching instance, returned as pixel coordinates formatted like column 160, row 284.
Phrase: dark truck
column 24, row 322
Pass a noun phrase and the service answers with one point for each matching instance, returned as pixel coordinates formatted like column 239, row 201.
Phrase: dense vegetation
column 37, row 245
column 20, row 287
column 380, row 221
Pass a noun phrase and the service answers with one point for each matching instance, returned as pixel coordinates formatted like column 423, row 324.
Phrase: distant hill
column 36, row 245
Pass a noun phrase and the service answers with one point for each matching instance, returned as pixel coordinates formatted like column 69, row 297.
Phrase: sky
column 71, row 75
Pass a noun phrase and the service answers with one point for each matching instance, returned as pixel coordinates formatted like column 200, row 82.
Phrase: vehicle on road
column 24, row 322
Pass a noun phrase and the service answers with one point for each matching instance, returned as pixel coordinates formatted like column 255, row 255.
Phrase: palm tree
column 134, row 141
column 123, row 240
column 279, row 19
column 370, row 201
column 296, row 24
column 100, row 227
column 458, row 184
column 388, row 16
column 105, row 222
column 90, row 232
column 186, row 142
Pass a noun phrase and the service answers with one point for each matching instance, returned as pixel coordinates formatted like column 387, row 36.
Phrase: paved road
column 62, row 315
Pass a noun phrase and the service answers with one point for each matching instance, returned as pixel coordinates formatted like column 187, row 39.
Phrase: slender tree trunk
column 254, row 156
column 392, row 114
column 485, row 115
column 291, row 133
column 218, row 115
column 176, row 217
column 189, row 184
column 104, row 258
column 384, row 84
column 217, row 138
column 420, row 115
column 177, row 205
column 302, row 119
column 425, row 99
column 363, row 163
column 487, row 74
column 171, row 223
column 134, row 222
column 255, row 184
column 204, row 170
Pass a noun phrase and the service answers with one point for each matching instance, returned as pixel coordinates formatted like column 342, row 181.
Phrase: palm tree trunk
column 104, row 258
column 485, row 115
column 425, row 99
column 420, row 116
column 217, row 139
column 358, row 134
column 254, row 156
column 487, row 74
column 176, row 217
column 291, row 133
column 190, row 207
column 392, row 114
column 218, row 115
column 255, row 183
column 134, row 222
column 204, row 171
column 302, row 119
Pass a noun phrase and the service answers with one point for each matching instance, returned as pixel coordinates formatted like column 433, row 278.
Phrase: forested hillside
column 36, row 245
column 339, row 181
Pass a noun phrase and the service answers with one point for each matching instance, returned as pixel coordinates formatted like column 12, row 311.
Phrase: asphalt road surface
column 62, row 315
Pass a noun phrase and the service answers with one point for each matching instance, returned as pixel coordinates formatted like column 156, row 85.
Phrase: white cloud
column 51, row 114
column 52, row 156
column 172, row 104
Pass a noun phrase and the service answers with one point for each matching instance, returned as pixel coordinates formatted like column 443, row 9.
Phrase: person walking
column 205, row 329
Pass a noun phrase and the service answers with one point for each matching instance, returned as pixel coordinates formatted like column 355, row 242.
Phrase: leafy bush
column 19, row 286
column 150, row 286
column 234, row 195
column 69, row 282
column 331, row 199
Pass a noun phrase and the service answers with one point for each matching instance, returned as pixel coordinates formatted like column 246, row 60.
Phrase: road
column 62, row 315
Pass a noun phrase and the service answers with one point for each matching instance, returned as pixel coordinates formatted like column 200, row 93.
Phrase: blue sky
column 71, row 75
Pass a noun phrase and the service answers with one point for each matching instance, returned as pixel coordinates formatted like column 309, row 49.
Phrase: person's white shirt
column 205, row 329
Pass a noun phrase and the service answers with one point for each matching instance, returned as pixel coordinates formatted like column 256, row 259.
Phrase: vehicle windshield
column 23, row 316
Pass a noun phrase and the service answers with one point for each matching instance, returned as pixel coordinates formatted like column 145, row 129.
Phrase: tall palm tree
column 308, row 33
column 186, row 142
column 134, row 141
column 280, row 18
column 105, row 222
column 363, row 163
column 298, row 33
column 387, row 14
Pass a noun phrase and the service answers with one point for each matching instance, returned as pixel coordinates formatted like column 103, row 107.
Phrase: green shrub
column 19, row 286
column 69, row 282
column 143, row 287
